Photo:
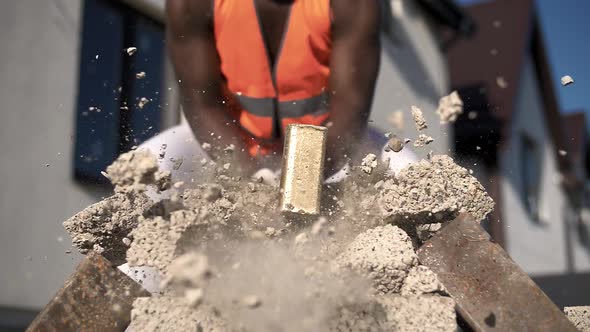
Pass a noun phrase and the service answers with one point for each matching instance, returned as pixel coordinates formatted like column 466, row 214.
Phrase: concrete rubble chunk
column 229, row 260
column 160, row 313
column 384, row 254
column 449, row 108
column 432, row 192
column 420, row 314
column 423, row 140
column 133, row 171
column 421, row 280
column 105, row 226
column 419, row 118
column 369, row 163
column 580, row 316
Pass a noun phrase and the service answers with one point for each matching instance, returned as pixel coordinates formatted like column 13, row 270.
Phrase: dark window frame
column 121, row 124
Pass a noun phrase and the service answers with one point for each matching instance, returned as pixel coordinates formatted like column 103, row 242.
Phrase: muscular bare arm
column 354, row 66
column 191, row 45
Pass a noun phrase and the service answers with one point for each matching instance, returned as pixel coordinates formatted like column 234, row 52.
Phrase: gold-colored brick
column 303, row 168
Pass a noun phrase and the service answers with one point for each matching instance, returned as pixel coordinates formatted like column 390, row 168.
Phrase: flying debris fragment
column 142, row 102
column 419, row 118
column 449, row 108
column 567, row 80
column 131, row 50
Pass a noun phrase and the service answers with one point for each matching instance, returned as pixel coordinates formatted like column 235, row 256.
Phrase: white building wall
column 38, row 88
column 413, row 72
column 539, row 248
column 38, row 79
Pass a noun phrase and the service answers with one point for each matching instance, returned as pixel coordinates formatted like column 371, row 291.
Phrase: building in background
column 531, row 158
column 70, row 104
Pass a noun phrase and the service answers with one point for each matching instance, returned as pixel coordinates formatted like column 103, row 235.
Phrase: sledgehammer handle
column 97, row 297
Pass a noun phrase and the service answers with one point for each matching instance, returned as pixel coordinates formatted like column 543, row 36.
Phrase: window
column 116, row 108
column 530, row 174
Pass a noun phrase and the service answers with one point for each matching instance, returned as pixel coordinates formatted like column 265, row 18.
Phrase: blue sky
column 566, row 27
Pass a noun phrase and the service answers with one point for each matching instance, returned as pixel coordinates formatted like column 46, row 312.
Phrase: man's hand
column 191, row 45
column 354, row 66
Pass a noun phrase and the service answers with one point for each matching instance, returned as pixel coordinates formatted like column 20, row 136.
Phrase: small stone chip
column 142, row 102
column 567, row 80
column 394, row 144
column 562, row 153
column 140, row 75
column 131, row 50
column 501, row 81
column 126, row 241
column 252, row 301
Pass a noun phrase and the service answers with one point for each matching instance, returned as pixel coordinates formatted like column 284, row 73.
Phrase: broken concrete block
column 417, row 314
column 580, row 316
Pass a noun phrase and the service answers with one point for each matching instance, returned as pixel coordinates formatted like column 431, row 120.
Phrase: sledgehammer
column 491, row 291
column 303, row 170
column 97, row 297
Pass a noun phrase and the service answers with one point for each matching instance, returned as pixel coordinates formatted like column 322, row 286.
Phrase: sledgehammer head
column 303, row 168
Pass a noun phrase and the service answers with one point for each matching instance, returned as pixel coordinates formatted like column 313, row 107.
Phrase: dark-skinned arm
column 354, row 67
column 191, row 45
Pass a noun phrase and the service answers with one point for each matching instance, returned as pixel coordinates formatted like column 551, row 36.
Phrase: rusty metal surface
column 97, row 297
column 492, row 292
column 303, row 166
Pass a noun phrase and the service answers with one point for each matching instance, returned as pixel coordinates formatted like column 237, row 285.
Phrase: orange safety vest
column 265, row 99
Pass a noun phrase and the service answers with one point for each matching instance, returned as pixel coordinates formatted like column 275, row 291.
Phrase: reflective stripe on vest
column 293, row 91
column 287, row 109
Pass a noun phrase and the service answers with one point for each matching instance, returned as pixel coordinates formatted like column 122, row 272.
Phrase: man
column 248, row 68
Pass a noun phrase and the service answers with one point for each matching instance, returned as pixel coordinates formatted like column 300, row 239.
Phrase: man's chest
column 273, row 16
